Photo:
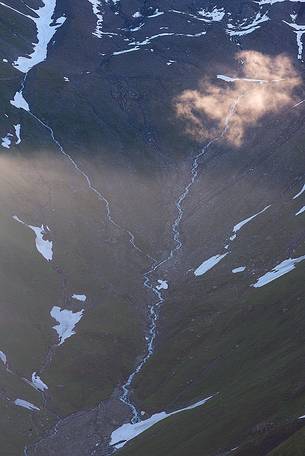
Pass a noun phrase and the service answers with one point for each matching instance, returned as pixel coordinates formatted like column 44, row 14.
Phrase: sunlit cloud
column 266, row 85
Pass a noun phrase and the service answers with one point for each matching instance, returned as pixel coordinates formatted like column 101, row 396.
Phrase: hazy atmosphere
column 152, row 237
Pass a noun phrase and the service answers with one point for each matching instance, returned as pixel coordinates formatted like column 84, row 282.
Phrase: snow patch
column 17, row 128
column 239, row 225
column 46, row 28
column 299, row 30
column 79, row 297
column 163, row 285
column 137, row 44
column 67, row 320
column 300, row 192
column 124, row 51
column 19, row 102
column 156, row 13
column 259, row 81
column 301, row 211
column 216, row 15
column 6, row 141
column 272, row 2
column 44, row 246
column 239, row 269
column 97, row 11
column 38, row 383
column 129, row 431
column 245, row 27
column 281, row 269
column 209, row 264
column 3, row 358
column 26, row 404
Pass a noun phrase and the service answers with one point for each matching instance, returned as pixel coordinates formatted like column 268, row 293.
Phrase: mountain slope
column 152, row 170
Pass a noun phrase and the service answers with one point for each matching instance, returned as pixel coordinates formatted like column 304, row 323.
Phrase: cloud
column 231, row 107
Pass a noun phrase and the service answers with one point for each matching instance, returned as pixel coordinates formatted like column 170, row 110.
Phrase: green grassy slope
column 293, row 446
column 252, row 357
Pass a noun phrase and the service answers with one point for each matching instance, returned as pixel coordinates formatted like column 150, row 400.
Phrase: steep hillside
column 152, row 234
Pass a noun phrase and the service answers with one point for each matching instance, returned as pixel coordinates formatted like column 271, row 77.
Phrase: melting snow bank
column 283, row 268
column 44, row 246
column 26, row 404
column 129, row 431
column 46, row 28
column 67, row 321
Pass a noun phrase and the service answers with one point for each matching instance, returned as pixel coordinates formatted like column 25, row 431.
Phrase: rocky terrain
column 152, row 185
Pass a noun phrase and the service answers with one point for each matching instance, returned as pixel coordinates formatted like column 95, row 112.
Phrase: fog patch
column 266, row 85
